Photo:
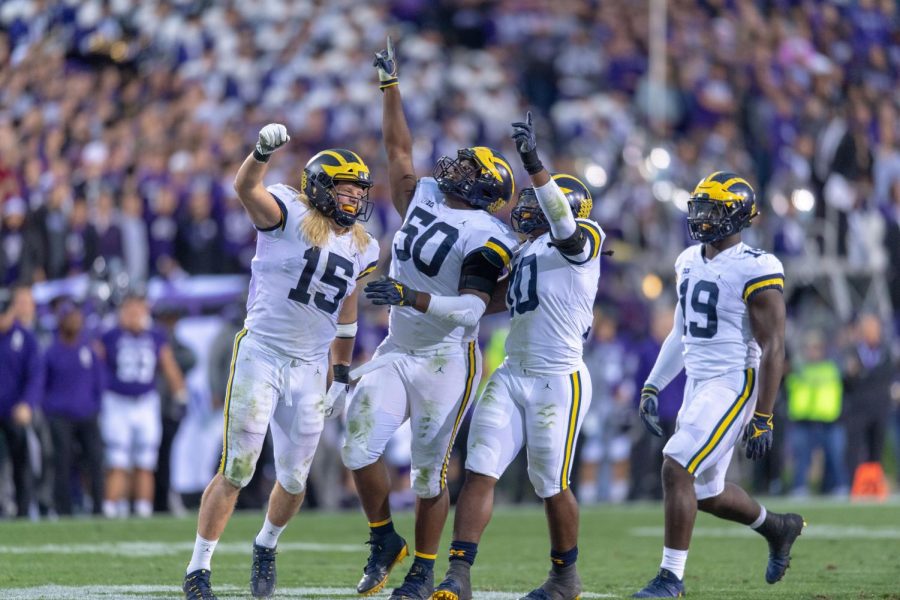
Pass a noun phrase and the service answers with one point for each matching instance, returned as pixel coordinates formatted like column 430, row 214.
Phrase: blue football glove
column 758, row 435
column 390, row 291
column 386, row 64
column 526, row 144
column 649, row 409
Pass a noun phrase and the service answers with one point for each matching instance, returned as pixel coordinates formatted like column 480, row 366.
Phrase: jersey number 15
column 334, row 262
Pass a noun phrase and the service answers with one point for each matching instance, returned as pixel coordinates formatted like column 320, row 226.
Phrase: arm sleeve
column 480, row 271
column 670, row 361
column 464, row 310
column 557, row 210
column 584, row 245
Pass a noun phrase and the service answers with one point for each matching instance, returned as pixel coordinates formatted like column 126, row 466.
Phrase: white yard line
column 823, row 531
column 156, row 592
column 142, row 549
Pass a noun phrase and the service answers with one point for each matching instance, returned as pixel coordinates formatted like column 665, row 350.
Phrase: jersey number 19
column 704, row 298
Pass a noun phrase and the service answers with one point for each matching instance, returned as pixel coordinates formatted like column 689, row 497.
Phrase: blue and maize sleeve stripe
column 367, row 270
column 594, row 239
column 766, row 282
column 497, row 252
column 280, row 224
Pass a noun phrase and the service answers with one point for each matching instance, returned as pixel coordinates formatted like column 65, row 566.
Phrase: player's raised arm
column 261, row 206
column 552, row 200
column 668, row 365
column 767, row 317
column 397, row 139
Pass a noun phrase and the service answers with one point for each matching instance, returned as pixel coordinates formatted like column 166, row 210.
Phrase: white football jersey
column 551, row 303
column 713, row 296
column 427, row 255
column 297, row 289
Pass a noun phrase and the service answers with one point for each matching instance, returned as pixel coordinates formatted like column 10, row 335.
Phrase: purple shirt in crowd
column 131, row 360
column 74, row 380
column 21, row 369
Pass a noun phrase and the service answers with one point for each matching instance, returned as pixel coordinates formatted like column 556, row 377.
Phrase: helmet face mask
column 722, row 205
column 321, row 176
column 528, row 217
column 478, row 176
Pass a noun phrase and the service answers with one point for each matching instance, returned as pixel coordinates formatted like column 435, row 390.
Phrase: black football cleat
column 780, row 543
column 665, row 585
column 418, row 585
column 562, row 583
column 386, row 552
column 196, row 586
column 456, row 585
column 262, row 572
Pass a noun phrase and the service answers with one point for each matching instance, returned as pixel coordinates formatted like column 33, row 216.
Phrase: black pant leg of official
column 17, row 444
column 61, row 430
column 88, row 435
column 163, row 465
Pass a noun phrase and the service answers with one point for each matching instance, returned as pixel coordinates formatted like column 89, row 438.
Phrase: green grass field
column 847, row 551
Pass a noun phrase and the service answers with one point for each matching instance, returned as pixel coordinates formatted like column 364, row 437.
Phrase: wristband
column 389, row 83
column 259, row 156
column 341, row 373
column 531, row 161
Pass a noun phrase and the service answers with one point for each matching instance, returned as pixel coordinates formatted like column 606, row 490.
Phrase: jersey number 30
column 703, row 302
column 333, row 263
column 412, row 247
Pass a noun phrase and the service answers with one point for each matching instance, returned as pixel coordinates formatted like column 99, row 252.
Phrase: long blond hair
column 317, row 228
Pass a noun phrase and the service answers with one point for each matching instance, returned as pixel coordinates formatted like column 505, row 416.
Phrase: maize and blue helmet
column 527, row 215
column 722, row 204
column 479, row 175
column 329, row 167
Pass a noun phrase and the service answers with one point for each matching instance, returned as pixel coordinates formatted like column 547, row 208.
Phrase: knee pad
column 291, row 485
column 145, row 457
column 544, row 489
column 426, row 483
column 238, row 470
column 355, row 455
column 117, row 457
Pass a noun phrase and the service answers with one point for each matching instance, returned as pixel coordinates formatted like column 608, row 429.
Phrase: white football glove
column 335, row 399
column 272, row 137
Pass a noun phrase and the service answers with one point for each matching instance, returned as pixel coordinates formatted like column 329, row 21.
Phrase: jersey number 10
column 524, row 275
column 700, row 306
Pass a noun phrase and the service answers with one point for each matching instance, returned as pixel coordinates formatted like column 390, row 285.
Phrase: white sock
column 268, row 535
column 674, row 561
column 760, row 519
column 110, row 511
column 143, row 508
column 203, row 551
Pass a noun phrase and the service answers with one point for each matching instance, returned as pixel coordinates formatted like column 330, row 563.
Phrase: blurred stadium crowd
column 123, row 122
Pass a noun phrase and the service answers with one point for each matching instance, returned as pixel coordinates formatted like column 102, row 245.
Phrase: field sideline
column 847, row 551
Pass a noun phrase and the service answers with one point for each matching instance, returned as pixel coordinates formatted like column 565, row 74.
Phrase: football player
column 729, row 337
column 452, row 250
column 310, row 251
column 130, row 417
column 538, row 397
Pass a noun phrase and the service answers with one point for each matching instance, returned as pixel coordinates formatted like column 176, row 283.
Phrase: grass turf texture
column 847, row 551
